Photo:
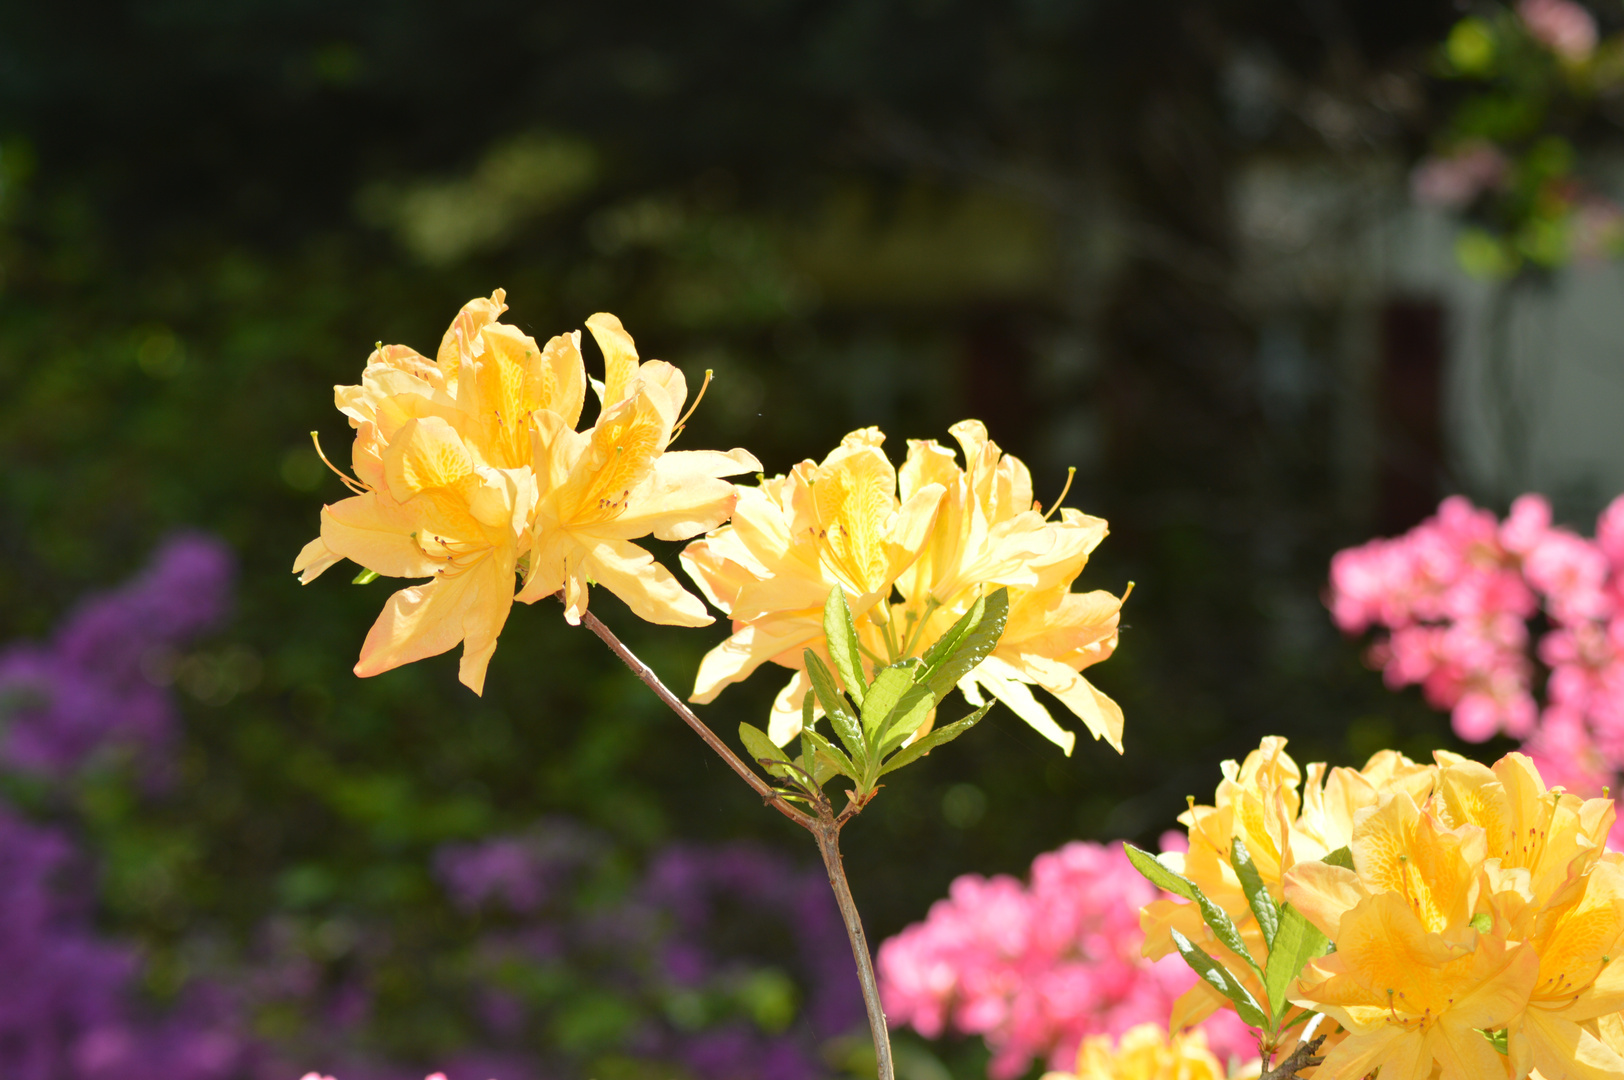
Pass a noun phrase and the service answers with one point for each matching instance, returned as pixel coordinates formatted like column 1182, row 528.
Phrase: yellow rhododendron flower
column 1146, row 1052
column 1473, row 936
column 468, row 469
column 605, row 487
column 912, row 550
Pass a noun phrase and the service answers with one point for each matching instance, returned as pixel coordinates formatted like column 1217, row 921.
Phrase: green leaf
column 1500, row 1039
column 945, row 667
column 1219, row 978
column 889, row 685
column 827, row 753
column 920, row 747
column 1158, row 873
column 836, row 709
column 1296, row 942
column 905, row 719
column 365, row 577
column 1482, row 922
column 760, row 746
column 841, row 633
column 1216, row 918
column 1257, row 895
column 954, row 634
column 1342, row 856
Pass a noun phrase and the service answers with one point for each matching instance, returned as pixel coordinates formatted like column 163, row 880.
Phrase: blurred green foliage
column 892, row 213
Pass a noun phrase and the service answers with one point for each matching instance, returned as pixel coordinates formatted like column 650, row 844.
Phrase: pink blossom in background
column 1452, row 181
column 1033, row 969
column 1459, row 596
column 1562, row 26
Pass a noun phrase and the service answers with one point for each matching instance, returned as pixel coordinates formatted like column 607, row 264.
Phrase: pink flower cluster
column 1562, row 26
column 1034, row 969
column 1457, row 594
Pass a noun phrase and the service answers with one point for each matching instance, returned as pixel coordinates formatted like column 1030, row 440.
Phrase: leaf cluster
column 872, row 719
column 1289, row 939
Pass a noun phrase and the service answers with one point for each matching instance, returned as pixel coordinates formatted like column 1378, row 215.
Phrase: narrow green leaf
column 809, row 758
column 1257, row 894
column 1296, row 942
column 365, row 577
column 887, row 689
column 760, row 747
column 836, row 709
column 1342, row 856
column 1499, row 1039
column 1217, row 920
column 1219, row 978
column 919, row 748
column 827, row 753
column 841, row 633
column 954, row 634
column 976, row 644
column 1158, row 873
column 906, row 717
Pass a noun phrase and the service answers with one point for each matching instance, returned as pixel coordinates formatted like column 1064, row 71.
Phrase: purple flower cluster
column 69, row 1009
column 101, row 682
column 674, row 936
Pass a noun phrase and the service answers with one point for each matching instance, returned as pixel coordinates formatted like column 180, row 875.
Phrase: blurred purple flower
column 100, row 679
column 514, row 872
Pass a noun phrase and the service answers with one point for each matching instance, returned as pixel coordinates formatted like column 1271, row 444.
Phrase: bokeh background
column 1173, row 245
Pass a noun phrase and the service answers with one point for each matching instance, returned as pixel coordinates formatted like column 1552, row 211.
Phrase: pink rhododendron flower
column 1033, row 969
column 1454, row 180
column 1562, row 26
column 1456, row 596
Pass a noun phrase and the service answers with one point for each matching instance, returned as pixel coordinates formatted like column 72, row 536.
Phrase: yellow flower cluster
column 912, row 549
column 469, row 470
column 1146, row 1052
column 1473, row 918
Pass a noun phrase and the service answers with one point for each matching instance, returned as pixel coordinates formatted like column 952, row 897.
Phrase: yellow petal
column 1001, row 682
column 1390, row 1048
column 1562, row 1050
column 429, row 619
column 619, row 356
column 379, row 534
column 425, row 455
column 1101, row 715
column 684, row 496
column 749, row 647
column 1323, row 893
column 784, row 722
column 314, row 558
column 648, row 588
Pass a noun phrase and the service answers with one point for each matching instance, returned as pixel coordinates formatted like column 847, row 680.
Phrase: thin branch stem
column 825, row 828
column 827, row 832
column 680, row 707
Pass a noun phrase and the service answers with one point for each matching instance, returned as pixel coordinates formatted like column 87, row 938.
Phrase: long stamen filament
column 1071, row 474
column 677, row 428
column 354, row 485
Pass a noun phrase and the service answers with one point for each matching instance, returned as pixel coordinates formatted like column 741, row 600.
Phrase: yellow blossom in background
column 912, row 550
column 1473, row 916
column 469, row 471
column 1146, row 1052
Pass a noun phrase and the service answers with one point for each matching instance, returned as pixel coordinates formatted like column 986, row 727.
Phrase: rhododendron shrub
column 1036, row 970
column 1483, row 614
